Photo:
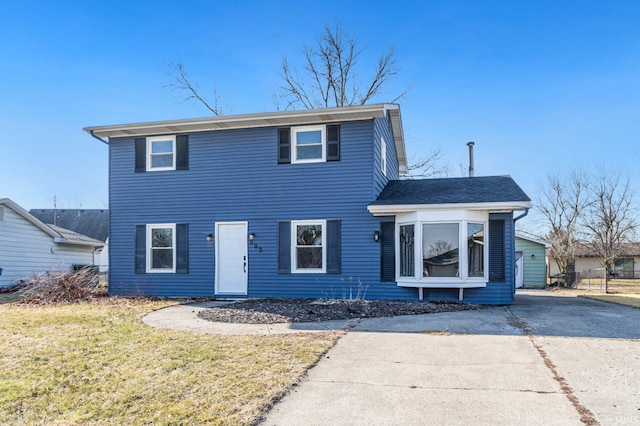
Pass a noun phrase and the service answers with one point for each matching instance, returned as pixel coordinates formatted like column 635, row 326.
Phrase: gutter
column 526, row 212
column 98, row 137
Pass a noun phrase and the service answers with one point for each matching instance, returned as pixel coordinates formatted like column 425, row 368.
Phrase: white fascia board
column 391, row 209
column 29, row 217
column 533, row 240
column 243, row 121
column 398, row 136
column 61, row 240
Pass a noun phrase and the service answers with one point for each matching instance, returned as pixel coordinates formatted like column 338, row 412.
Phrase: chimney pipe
column 470, row 145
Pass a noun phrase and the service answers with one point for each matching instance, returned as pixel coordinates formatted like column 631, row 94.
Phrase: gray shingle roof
column 74, row 237
column 90, row 222
column 626, row 250
column 485, row 189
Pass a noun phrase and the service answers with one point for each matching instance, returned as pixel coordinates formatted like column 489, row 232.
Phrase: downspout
column 98, row 137
column 526, row 212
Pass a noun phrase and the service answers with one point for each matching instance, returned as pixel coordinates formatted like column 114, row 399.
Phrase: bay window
column 448, row 246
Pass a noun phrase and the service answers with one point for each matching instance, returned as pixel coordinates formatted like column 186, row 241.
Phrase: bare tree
column 191, row 89
column 609, row 218
column 429, row 166
column 561, row 201
column 329, row 77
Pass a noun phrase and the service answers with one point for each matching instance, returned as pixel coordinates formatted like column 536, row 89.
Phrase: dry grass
column 96, row 363
column 629, row 299
column 621, row 299
column 614, row 286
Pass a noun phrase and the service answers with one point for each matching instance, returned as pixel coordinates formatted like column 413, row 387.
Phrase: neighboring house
column 300, row 204
column 625, row 264
column 531, row 262
column 29, row 246
column 93, row 223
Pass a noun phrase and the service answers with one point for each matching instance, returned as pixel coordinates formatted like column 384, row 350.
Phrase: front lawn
column 97, row 363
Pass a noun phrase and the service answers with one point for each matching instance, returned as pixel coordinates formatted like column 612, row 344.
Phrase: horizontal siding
column 235, row 176
column 535, row 269
column 26, row 250
column 382, row 129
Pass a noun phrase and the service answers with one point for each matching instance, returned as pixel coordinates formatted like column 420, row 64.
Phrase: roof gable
column 59, row 235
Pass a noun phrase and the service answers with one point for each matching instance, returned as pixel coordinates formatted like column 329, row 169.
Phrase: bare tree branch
column 429, row 166
column 609, row 218
column 561, row 201
column 330, row 67
column 180, row 81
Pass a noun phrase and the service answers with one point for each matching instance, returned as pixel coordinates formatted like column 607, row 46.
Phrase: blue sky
column 540, row 86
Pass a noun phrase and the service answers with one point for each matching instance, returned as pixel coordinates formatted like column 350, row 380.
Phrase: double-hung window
column 309, row 246
column 161, row 153
column 308, row 144
column 161, row 244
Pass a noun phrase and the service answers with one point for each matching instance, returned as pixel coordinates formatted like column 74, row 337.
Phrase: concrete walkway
column 546, row 359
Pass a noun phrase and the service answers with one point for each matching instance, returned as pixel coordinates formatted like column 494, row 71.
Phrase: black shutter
column 141, row 249
column 284, row 247
column 141, row 155
column 284, row 146
column 496, row 251
column 333, row 247
column 182, row 248
column 333, row 143
column 387, row 252
column 182, row 154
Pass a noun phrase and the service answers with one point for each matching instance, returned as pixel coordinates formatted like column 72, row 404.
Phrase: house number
column 255, row 246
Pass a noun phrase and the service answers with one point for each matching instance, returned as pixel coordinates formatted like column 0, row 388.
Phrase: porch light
column 252, row 237
column 209, row 237
column 533, row 257
column 376, row 236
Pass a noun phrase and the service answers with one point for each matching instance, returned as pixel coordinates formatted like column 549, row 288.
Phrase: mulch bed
column 272, row 311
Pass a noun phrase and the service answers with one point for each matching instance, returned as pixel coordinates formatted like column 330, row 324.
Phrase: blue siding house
column 300, row 204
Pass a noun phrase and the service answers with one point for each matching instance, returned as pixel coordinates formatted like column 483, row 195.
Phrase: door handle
column 244, row 267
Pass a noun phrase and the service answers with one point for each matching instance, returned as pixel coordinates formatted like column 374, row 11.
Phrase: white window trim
column 294, row 251
column 171, row 226
column 294, row 144
column 150, row 141
column 462, row 218
column 383, row 156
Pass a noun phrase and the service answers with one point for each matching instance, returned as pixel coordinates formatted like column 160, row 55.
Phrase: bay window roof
column 487, row 192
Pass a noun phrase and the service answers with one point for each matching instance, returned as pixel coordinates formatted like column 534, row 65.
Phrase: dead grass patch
column 96, row 363
column 632, row 300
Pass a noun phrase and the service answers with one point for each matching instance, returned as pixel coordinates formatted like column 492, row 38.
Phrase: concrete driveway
column 547, row 359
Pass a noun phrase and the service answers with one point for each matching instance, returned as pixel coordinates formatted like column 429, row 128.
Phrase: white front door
column 232, row 264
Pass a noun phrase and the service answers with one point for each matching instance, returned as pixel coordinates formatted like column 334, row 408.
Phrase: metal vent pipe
column 470, row 145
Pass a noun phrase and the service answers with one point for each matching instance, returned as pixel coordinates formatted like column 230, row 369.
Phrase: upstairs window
column 308, row 144
column 161, row 153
